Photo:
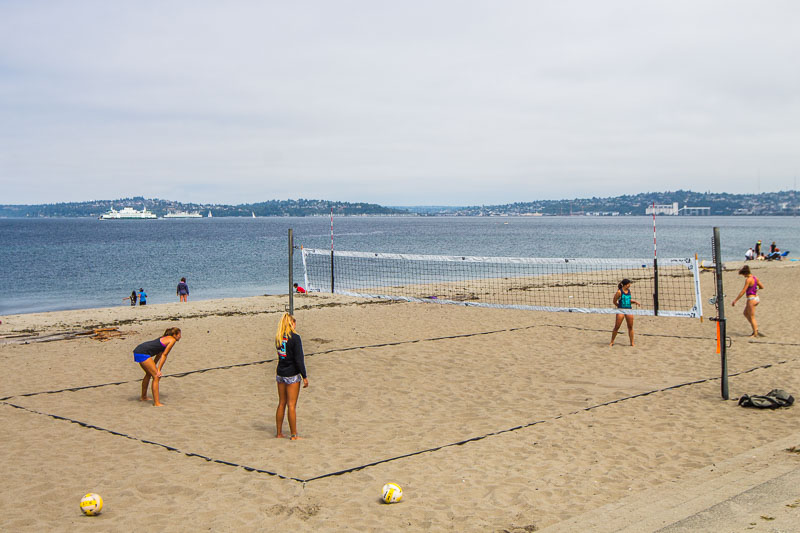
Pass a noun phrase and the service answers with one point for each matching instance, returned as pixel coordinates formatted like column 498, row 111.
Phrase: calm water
column 52, row 264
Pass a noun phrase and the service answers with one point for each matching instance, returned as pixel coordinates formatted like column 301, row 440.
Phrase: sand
column 490, row 419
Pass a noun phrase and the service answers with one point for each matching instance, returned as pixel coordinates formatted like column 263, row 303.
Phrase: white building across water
column 673, row 210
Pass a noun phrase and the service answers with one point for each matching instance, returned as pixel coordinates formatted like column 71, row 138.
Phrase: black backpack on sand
column 772, row 400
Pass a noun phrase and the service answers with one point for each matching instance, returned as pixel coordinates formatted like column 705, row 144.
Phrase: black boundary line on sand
column 261, row 362
column 419, row 452
column 335, row 350
column 146, row 441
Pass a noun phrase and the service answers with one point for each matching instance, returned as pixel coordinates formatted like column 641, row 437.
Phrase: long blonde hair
column 285, row 329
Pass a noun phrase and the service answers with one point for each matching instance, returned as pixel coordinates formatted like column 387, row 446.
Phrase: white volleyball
column 392, row 493
column 91, row 504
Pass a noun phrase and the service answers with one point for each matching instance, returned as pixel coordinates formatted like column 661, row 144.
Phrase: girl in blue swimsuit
column 623, row 300
column 151, row 356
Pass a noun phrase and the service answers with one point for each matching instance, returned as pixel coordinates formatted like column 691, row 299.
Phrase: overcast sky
column 396, row 102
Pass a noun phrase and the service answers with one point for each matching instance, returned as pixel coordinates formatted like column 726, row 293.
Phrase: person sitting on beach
column 748, row 255
column 151, row 356
column 291, row 368
column 142, row 297
column 623, row 300
column 761, row 257
column 299, row 289
column 751, row 286
column 132, row 298
column 183, row 290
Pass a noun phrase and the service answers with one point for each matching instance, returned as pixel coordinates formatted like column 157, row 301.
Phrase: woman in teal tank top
column 623, row 300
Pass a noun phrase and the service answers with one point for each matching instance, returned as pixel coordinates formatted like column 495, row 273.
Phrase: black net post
column 291, row 272
column 655, row 286
column 719, row 301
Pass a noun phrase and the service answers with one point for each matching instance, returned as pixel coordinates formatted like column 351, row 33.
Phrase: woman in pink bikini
column 751, row 286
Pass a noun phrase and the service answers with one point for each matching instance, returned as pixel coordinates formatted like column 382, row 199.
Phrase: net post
column 655, row 286
column 720, row 304
column 655, row 265
column 332, row 287
column 697, row 284
column 291, row 272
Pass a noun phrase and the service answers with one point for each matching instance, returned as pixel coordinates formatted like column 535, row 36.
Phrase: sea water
column 54, row 264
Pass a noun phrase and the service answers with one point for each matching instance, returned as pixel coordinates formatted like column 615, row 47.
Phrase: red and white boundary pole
column 655, row 265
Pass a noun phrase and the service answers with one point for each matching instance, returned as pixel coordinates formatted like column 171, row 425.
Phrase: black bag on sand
column 772, row 400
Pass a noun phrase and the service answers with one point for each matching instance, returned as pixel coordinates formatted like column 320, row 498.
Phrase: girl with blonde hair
column 291, row 369
column 151, row 356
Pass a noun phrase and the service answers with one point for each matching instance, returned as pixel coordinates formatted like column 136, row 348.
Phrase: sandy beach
column 490, row 419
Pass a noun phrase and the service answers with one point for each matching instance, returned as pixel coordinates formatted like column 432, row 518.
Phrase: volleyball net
column 670, row 287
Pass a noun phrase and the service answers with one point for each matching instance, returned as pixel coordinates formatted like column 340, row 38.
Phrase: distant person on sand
column 623, row 300
column 151, row 356
column 751, row 286
column 758, row 249
column 749, row 254
column 291, row 369
column 183, row 290
column 299, row 289
column 772, row 247
column 132, row 298
column 142, row 297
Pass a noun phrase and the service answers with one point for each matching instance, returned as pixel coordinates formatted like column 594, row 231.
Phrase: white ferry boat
column 127, row 213
column 183, row 214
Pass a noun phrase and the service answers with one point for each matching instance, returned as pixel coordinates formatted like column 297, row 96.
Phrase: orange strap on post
column 718, row 347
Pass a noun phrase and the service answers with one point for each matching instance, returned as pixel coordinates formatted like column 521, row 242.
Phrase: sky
column 433, row 102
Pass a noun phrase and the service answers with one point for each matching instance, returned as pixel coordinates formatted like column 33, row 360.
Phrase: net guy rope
column 540, row 284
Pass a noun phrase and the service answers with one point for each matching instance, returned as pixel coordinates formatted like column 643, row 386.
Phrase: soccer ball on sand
column 392, row 493
column 91, row 504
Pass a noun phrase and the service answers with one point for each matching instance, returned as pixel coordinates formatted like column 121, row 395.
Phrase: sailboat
column 254, row 214
column 209, row 213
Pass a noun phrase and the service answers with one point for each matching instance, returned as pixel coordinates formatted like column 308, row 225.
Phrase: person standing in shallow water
column 183, row 290
column 132, row 298
column 623, row 300
column 291, row 369
column 751, row 286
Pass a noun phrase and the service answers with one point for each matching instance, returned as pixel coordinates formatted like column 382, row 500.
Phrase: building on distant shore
column 667, row 209
column 673, row 210
column 695, row 211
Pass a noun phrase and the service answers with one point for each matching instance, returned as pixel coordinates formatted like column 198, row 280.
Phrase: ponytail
column 624, row 282
column 285, row 329
column 171, row 332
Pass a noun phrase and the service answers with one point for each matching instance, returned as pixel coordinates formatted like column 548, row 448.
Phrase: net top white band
column 625, row 262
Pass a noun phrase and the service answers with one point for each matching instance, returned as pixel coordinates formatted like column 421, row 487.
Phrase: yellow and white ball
column 392, row 493
column 91, row 504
